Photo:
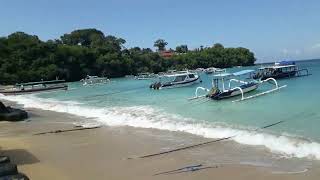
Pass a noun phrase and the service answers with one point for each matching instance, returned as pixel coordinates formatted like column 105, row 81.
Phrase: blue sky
column 272, row 29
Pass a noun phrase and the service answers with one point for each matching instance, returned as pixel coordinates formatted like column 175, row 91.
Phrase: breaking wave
column 148, row 117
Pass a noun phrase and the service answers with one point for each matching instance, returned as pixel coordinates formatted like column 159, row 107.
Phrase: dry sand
column 102, row 153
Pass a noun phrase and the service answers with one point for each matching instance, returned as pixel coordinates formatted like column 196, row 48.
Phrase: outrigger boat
column 91, row 80
column 35, row 87
column 283, row 69
column 178, row 79
column 245, row 87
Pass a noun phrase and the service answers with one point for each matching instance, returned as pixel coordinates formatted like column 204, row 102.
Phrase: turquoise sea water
column 129, row 102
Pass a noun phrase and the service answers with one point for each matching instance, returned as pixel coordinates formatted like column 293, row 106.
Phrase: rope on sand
column 67, row 130
column 191, row 168
column 200, row 144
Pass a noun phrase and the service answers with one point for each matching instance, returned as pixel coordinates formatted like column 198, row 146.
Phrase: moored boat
column 213, row 70
column 245, row 86
column 283, row 69
column 146, row 76
column 91, row 80
column 35, row 87
column 200, row 70
column 177, row 79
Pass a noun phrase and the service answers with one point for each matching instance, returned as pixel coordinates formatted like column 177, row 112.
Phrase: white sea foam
column 148, row 117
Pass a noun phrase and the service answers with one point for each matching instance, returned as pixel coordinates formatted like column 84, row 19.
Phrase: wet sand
column 102, row 153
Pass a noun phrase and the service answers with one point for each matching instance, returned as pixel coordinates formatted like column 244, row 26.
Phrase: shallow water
column 130, row 102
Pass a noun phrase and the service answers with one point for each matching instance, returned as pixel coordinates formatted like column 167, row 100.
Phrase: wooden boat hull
column 235, row 92
column 174, row 85
column 277, row 76
column 34, row 90
column 180, row 84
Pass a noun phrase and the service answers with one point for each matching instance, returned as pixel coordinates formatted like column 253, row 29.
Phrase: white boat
column 169, row 72
column 177, row 79
column 146, row 76
column 217, row 93
column 91, row 80
column 129, row 76
column 35, row 87
column 213, row 70
column 200, row 70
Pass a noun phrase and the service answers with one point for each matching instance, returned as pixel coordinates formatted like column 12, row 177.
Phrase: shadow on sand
column 20, row 156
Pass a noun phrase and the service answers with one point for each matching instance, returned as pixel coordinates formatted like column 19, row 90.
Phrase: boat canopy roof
column 179, row 73
column 92, row 76
column 243, row 72
column 144, row 73
column 223, row 75
column 277, row 67
column 95, row 77
column 284, row 63
column 212, row 68
column 40, row 82
column 239, row 73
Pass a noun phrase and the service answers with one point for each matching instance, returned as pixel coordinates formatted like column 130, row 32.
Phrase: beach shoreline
column 102, row 153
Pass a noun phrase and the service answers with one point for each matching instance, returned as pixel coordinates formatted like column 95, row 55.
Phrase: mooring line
column 113, row 93
column 180, row 169
column 67, row 130
column 200, row 144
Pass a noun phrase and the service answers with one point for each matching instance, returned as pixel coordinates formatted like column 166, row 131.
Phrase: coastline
column 102, row 153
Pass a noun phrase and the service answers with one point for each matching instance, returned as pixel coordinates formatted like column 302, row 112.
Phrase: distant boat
column 146, row 76
column 283, row 69
column 169, row 72
column 200, row 70
column 91, row 80
column 177, row 79
column 213, row 70
column 35, row 87
column 129, row 76
column 218, row 93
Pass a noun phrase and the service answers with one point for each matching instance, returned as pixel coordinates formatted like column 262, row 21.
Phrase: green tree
column 84, row 37
column 218, row 46
column 182, row 49
column 160, row 44
column 25, row 57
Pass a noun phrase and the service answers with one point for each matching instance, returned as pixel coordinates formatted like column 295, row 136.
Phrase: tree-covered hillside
column 25, row 58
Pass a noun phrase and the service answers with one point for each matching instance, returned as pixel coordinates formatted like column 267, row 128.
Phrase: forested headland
column 25, row 58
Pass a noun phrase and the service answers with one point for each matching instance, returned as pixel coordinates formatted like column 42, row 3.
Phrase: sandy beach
column 103, row 153
column 154, row 90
